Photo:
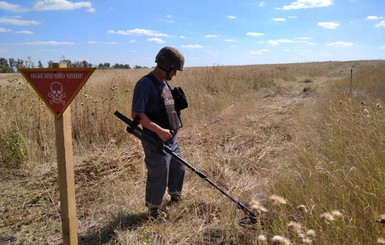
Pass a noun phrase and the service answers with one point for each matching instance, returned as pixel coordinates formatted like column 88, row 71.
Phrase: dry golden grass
column 290, row 137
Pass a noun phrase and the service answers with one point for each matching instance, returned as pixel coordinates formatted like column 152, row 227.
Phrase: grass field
column 301, row 144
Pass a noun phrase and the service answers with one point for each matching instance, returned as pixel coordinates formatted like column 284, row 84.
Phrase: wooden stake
column 66, row 176
column 351, row 80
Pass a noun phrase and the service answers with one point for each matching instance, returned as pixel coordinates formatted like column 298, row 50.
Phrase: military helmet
column 169, row 59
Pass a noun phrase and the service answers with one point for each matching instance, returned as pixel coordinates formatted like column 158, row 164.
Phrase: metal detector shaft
column 139, row 133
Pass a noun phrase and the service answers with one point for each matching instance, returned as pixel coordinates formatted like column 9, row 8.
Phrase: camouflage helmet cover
column 170, row 58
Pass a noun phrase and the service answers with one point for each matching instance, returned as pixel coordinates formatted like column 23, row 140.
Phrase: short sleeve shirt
column 146, row 97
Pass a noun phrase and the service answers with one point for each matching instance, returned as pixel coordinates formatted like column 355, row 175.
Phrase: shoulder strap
column 154, row 81
column 177, row 93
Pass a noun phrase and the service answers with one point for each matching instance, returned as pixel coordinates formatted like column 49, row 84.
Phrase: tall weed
column 13, row 150
column 339, row 166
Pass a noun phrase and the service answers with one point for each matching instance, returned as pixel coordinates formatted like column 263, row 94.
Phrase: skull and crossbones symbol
column 56, row 94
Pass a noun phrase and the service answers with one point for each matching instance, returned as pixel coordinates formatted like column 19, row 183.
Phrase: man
column 153, row 103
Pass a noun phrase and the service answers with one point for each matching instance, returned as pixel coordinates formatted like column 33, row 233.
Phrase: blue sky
column 208, row 32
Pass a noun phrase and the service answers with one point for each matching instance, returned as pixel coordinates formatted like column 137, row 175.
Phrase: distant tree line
column 13, row 65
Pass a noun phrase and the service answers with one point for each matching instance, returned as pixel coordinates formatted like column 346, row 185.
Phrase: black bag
column 180, row 98
column 178, row 95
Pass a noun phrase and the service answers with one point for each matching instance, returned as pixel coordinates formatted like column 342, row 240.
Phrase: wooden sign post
column 58, row 87
column 66, row 178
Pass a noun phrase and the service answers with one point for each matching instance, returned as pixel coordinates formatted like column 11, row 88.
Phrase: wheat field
column 300, row 144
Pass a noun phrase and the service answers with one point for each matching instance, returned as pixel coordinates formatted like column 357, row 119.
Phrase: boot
column 155, row 214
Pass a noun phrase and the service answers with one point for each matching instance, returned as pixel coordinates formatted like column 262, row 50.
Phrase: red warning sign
column 57, row 87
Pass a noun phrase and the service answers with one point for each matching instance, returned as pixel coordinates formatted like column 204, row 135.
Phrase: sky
column 207, row 32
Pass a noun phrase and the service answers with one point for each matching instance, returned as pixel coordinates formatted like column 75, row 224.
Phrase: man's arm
column 164, row 134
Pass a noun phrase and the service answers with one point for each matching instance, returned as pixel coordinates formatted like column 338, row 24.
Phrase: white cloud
column 18, row 22
column 50, row 43
column 261, row 4
column 24, row 32
column 279, row 41
column 305, row 40
column 301, row 40
column 328, row 25
column 260, row 52
column 279, row 19
column 230, row 40
column 381, row 24
column 169, row 19
column 2, row 30
column 138, row 32
column 255, row 34
column 211, row 36
column 372, row 17
column 91, row 10
column 11, row 7
column 231, row 17
column 303, row 4
column 47, row 5
column 340, row 44
column 156, row 40
column 192, row 46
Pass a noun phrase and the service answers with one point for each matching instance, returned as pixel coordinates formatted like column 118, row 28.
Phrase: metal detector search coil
column 251, row 216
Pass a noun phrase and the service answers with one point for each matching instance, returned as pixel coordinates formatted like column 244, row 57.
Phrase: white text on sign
column 57, row 75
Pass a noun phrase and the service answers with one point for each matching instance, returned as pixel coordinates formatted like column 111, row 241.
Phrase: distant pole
column 351, row 80
column 66, row 175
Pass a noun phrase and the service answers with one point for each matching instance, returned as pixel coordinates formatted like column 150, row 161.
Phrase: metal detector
column 251, row 217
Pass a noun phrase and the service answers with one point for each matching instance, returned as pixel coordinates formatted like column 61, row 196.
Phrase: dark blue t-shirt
column 146, row 96
column 147, row 99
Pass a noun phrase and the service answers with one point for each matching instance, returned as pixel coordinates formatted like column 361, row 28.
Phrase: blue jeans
column 163, row 172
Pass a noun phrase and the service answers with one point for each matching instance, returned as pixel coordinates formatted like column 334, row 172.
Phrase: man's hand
column 164, row 134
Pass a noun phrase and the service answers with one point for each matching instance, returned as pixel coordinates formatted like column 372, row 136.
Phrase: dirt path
column 257, row 133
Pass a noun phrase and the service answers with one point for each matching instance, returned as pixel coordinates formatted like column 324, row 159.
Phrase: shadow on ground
column 107, row 234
